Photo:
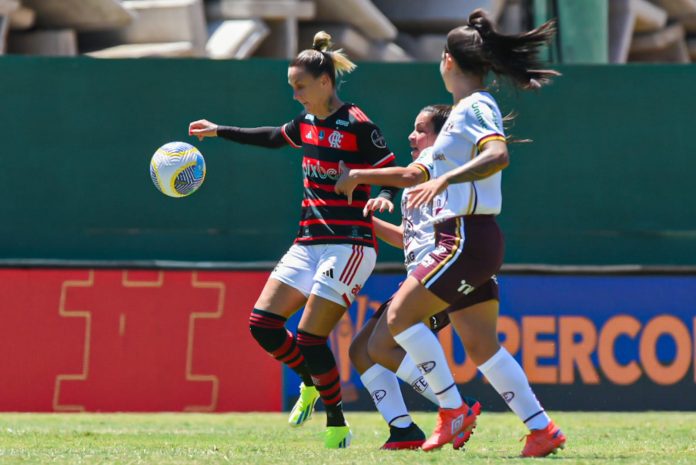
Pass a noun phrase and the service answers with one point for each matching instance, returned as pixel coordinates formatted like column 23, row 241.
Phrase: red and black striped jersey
column 348, row 135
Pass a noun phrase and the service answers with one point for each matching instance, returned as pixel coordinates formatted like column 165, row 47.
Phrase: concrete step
column 166, row 21
column 667, row 45
column 235, row 38
column 362, row 15
column 648, row 17
column 58, row 42
column 265, row 9
column 172, row 49
column 689, row 22
column 81, row 15
column 435, row 15
column 423, row 47
column 22, row 19
column 676, row 8
column 627, row 17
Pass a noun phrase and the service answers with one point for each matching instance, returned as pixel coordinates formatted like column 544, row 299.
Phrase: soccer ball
column 177, row 169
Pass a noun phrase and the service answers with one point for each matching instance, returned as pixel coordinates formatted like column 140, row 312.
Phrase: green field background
column 607, row 180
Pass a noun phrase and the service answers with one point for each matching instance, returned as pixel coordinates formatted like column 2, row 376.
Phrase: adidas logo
column 328, row 273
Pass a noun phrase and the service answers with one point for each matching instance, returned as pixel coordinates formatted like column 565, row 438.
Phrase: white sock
column 507, row 377
column 409, row 373
column 426, row 352
column 386, row 394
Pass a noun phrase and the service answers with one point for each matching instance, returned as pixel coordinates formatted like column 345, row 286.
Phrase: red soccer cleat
column 450, row 422
column 542, row 442
column 464, row 436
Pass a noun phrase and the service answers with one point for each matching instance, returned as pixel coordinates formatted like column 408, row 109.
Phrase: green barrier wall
column 608, row 179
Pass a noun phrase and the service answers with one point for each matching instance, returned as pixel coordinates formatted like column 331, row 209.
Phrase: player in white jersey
column 415, row 236
column 465, row 196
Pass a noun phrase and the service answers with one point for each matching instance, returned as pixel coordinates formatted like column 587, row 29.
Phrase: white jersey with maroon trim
column 419, row 231
column 474, row 121
column 348, row 135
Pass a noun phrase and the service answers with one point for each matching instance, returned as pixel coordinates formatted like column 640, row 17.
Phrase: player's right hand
column 345, row 184
column 203, row 128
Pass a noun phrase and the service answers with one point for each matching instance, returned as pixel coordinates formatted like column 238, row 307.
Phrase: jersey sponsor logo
column 379, row 395
column 335, row 139
column 315, row 170
column 439, row 156
column 508, row 396
column 465, row 288
column 479, row 115
column 309, row 117
column 378, row 139
column 427, row 367
column 341, row 122
column 356, row 289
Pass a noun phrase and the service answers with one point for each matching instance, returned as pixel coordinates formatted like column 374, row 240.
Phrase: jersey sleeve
column 482, row 123
column 291, row 131
column 372, row 145
column 425, row 163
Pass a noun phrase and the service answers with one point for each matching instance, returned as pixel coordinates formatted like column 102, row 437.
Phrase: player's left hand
column 425, row 193
column 378, row 204
column 345, row 184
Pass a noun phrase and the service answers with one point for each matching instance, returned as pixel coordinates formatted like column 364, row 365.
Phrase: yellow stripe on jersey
column 423, row 169
column 453, row 252
column 485, row 139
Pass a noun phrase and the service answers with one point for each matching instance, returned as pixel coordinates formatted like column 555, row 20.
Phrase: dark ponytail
column 478, row 48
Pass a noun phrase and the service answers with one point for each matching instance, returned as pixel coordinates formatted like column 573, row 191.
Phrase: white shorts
column 336, row 272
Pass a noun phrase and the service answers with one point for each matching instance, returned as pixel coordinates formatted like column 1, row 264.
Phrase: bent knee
column 360, row 356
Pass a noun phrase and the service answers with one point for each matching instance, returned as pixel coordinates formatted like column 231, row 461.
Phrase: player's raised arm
column 267, row 136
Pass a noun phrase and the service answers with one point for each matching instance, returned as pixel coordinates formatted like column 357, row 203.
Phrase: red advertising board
column 132, row 340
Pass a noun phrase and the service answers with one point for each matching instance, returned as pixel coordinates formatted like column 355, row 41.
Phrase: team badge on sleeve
column 378, row 139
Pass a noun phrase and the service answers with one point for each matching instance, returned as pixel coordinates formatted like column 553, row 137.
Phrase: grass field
column 604, row 438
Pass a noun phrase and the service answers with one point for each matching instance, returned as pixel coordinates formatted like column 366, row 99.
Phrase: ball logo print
column 177, row 169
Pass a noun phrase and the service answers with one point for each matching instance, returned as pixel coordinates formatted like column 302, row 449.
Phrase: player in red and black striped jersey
column 349, row 135
column 334, row 251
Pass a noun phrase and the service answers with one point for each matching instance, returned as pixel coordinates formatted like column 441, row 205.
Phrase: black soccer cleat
column 411, row 437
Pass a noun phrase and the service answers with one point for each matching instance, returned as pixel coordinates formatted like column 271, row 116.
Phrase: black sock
column 322, row 366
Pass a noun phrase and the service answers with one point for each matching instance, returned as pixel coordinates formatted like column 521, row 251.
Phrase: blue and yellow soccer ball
column 177, row 169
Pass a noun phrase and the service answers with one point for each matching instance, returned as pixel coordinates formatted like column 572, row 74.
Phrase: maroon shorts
column 468, row 253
